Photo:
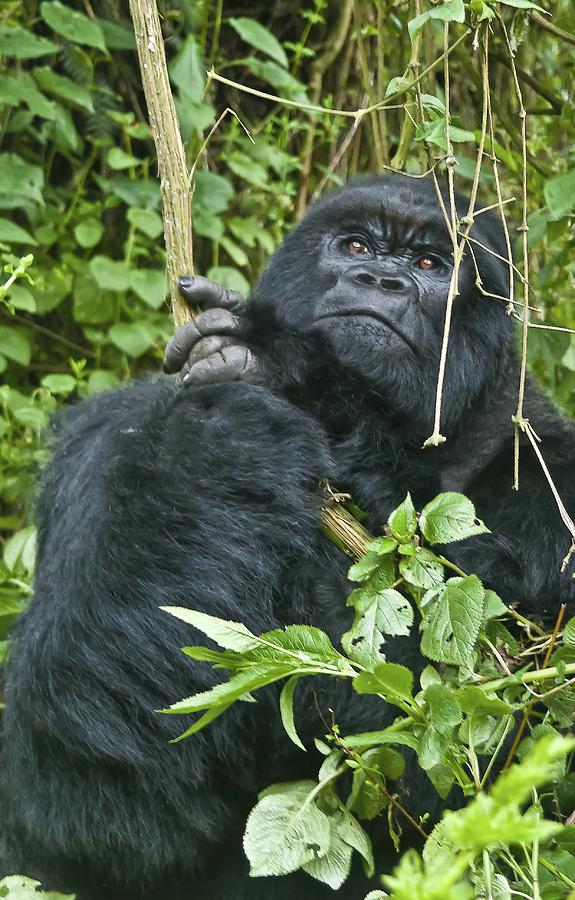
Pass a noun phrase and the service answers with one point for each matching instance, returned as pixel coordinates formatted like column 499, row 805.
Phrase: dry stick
column 458, row 248
column 172, row 169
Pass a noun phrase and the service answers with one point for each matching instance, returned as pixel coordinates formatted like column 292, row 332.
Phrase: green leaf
column 15, row 345
column 223, row 694
column 20, row 297
column 403, row 520
column 452, row 621
column 389, row 679
column 64, row 88
column 473, row 699
column 73, row 25
column 59, row 384
column 259, row 37
column 92, row 305
column 14, row 91
column 110, row 274
column 100, row 380
column 17, row 887
column 444, row 710
column 229, row 278
column 19, row 181
column 366, row 566
column 560, row 193
column 452, row 11
column 524, row 4
column 117, row 36
column 119, row 159
column 450, row 517
column 569, row 633
column 20, row 546
column 251, row 171
column 14, row 234
column 150, row 285
column 386, row 612
column 188, row 70
column 515, row 784
column 285, row 831
column 146, row 220
column 89, row 232
column 286, row 710
column 132, row 338
column 23, row 44
column 229, row 635
column 423, row 569
column 212, row 193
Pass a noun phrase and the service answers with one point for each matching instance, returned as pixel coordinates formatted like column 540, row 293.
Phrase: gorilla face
column 365, row 278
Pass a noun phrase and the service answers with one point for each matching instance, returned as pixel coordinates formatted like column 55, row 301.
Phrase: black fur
column 210, row 498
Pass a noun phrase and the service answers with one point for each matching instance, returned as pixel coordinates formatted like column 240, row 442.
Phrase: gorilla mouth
column 372, row 314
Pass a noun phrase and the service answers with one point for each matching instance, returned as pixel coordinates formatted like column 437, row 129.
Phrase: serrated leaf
column 366, row 566
column 386, row 612
column 444, row 710
column 333, row 867
column 403, row 520
column 423, row 569
column 73, row 25
column 451, row 623
column 473, row 699
column 389, row 679
column 284, row 831
column 569, row 633
column 382, row 545
column 286, row 710
column 229, row 635
column 450, row 517
column 253, row 33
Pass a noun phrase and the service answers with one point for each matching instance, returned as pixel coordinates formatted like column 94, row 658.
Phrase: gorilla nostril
column 392, row 284
column 365, row 278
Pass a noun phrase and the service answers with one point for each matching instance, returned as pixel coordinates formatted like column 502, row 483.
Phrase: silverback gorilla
column 208, row 495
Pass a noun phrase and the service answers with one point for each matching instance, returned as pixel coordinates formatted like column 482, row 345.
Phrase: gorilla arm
column 203, row 498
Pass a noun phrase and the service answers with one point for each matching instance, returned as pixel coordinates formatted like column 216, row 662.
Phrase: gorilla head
column 361, row 286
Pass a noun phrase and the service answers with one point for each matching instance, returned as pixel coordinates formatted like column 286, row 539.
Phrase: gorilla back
column 209, row 497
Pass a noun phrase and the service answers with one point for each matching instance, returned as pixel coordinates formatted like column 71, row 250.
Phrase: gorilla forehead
column 401, row 208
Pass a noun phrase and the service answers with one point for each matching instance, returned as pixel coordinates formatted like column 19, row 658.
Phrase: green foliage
column 16, row 887
column 456, row 720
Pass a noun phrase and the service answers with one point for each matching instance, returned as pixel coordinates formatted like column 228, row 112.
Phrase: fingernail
column 186, row 377
column 186, row 281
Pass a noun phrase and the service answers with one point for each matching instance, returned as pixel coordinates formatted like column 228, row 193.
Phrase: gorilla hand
column 210, row 348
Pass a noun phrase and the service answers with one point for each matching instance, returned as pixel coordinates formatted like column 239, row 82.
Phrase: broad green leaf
column 110, row 274
column 146, row 220
column 423, row 569
column 101, row 380
column 15, row 549
column 73, row 25
column 212, row 193
column 382, row 545
column 188, row 70
column 560, row 193
column 524, row 4
column 15, row 344
column 494, row 606
column 23, row 44
column 14, row 91
column 569, row 633
column 259, row 37
column 117, row 36
column 444, row 710
column 403, row 520
column 286, row 710
column 64, row 88
column 59, row 384
column 334, row 866
column 309, row 644
column 451, row 623
column 398, row 85
column 284, row 831
column 150, row 285
column 92, row 305
column 386, row 612
column 389, row 679
column 31, row 417
column 19, row 296
column 450, row 517
column 452, row 11
column 132, row 338
column 19, row 181
column 14, row 234
column 229, row 635
column 88, row 232
column 236, row 254
column 473, row 699
column 247, row 168
column 367, row 739
column 119, row 159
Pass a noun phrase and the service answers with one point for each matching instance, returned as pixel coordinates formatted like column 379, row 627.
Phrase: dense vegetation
column 82, row 297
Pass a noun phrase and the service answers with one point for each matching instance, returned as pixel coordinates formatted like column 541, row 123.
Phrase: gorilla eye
column 357, row 246
column 427, row 263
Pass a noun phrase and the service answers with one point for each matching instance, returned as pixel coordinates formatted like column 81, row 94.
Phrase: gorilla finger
column 179, row 346
column 217, row 321
column 230, row 364
column 200, row 291
column 207, row 346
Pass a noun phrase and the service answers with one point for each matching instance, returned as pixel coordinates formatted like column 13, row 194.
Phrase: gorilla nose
column 395, row 283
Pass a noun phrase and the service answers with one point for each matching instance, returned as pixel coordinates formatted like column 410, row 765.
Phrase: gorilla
column 206, row 491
